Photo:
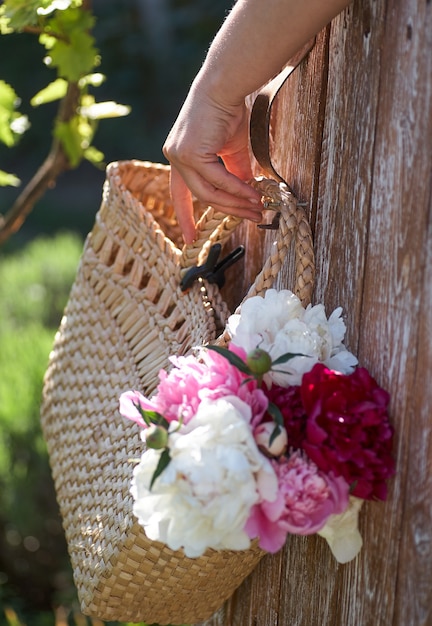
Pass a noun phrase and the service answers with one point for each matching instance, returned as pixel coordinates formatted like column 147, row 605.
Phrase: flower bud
column 156, row 437
column 262, row 435
column 259, row 361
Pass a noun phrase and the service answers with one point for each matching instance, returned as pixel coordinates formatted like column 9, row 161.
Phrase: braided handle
column 213, row 227
column 293, row 223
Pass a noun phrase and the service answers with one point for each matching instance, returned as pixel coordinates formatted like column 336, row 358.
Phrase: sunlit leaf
column 11, row 127
column 104, row 110
column 9, row 180
column 94, row 80
column 74, row 59
column 61, row 5
column 94, row 155
column 6, row 134
column 47, row 41
column 72, row 51
column 17, row 14
column 54, row 91
column 12, row 123
column 8, row 97
column 86, row 131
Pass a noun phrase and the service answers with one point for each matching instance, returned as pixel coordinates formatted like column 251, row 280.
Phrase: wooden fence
column 352, row 132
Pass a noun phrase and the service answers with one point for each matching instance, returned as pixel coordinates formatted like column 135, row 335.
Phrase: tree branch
column 37, row 30
column 55, row 164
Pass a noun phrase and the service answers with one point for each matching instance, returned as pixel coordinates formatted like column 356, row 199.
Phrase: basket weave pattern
column 125, row 317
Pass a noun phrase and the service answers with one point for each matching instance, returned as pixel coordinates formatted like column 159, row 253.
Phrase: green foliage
column 71, row 49
column 54, row 91
column 12, row 125
column 17, row 14
column 34, row 285
column 36, row 586
column 34, row 282
column 9, row 179
column 65, row 31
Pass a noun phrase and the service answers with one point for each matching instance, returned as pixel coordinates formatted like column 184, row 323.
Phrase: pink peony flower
column 193, row 379
column 348, row 430
column 306, row 499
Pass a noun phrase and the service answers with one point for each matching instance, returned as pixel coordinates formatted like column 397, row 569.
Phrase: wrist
column 212, row 85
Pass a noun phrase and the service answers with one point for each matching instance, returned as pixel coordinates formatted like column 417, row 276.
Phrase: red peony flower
column 348, row 430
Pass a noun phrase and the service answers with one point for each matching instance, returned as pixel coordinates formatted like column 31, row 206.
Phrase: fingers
column 203, row 134
column 246, row 214
column 183, row 205
column 212, row 184
column 250, row 209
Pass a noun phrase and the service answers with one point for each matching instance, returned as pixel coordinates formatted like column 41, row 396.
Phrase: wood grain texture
column 352, row 134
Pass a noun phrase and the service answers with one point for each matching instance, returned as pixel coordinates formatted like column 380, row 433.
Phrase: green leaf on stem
column 7, row 179
column 94, row 155
column 276, row 432
column 69, row 45
column 163, row 462
column 286, row 357
column 232, row 358
column 54, row 91
column 276, row 414
column 151, row 417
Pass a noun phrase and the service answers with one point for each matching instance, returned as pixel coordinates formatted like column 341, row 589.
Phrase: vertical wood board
column 352, row 134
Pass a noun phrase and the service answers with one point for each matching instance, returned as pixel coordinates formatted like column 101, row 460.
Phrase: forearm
column 256, row 40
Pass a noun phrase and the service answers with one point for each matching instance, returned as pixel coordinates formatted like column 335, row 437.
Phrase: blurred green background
column 150, row 52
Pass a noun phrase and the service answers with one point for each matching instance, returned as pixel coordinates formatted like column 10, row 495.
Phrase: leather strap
column 261, row 110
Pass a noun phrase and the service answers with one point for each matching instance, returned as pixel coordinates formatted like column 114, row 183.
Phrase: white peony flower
column 216, row 474
column 342, row 534
column 278, row 323
column 260, row 318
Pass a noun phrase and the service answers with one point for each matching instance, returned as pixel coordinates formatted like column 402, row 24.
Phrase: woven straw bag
column 125, row 316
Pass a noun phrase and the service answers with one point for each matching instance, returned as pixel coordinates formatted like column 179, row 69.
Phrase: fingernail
column 254, row 201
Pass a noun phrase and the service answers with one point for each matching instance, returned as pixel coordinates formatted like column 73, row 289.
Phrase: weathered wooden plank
column 414, row 580
column 345, row 189
column 363, row 162
column 397, row 285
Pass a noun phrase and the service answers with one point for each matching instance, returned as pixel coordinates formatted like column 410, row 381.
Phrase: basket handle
column 292, row 224
column 213, row 227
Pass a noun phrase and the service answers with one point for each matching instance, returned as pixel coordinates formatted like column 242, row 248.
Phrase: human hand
column 204, row 131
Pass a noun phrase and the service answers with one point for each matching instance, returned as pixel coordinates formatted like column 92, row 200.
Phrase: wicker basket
column 125, row 316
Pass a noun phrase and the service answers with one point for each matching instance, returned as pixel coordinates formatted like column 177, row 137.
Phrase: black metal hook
column 211, row 270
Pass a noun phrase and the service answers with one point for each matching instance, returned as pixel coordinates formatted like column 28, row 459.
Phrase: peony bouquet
column 279, row 433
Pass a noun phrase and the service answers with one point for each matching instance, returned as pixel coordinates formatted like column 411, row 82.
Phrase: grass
column 36, row 587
